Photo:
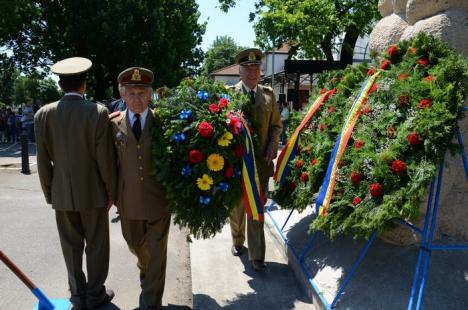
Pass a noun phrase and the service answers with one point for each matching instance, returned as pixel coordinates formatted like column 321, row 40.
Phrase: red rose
column 376, row 190
column 373, row 88
column 331, row 109
column 392, row 51
column 333, row 91
column 358, row 144
column 385, row 64
column 229, row 172
column 239, row 150
column 413, row 138
column 299, row 164
column 412, row 50
column 356, row 201
column 314, row 161
column 403, row 76
column 323, row 91
column 322, row 127
column 235, row 125
column 222, row 103
column 205, row 129
column 292, row 186
column 423, row 61
column 214, row 108
column 404, row 100
column 429, row 78
column 398, row 166
column 370, row 72
column 304, row 177
column 424, row 103
column 356, row 178
column 195, row 156
column 366, row 110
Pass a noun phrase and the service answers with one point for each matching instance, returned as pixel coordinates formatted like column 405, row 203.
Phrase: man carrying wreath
column 264, row 116
column 141, row 200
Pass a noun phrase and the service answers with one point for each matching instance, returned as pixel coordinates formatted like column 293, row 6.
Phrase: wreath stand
column 426, row 245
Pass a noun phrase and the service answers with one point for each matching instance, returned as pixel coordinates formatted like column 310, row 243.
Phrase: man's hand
column 272, row 152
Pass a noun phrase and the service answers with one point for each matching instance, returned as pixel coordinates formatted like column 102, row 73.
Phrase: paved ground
column 28, row 236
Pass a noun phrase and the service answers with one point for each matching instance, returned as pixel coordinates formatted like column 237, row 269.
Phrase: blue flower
column 179, row 137
column 202, row 94
column 186, row 171
column 204, row 200
column 223, row 186
column 185, row 114
column 226, row 96
column 237, row 172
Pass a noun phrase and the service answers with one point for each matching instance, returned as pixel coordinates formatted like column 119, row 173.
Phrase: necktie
column 137, row 127
column 252, row 96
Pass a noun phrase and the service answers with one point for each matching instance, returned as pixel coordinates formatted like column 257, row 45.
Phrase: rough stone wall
column 447, row 20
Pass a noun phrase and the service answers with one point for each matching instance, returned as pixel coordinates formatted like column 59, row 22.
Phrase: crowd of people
column 14, row 123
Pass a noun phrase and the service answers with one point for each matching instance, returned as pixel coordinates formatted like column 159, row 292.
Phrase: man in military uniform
column 141, row 200
column 76, row 165
column 266, row 123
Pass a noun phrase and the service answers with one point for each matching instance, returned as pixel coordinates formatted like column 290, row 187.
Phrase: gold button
column 141, row 178
column 139, row 157
column 138, row 146
column 141, row 168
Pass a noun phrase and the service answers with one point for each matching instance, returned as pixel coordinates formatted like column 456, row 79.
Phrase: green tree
column 220, row 54
column 161, row 35
column 313, row 26
column 35, row 87
column 8, row 75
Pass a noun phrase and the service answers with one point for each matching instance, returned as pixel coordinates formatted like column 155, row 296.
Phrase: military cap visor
column 136, row 76
column 71, row 66
column 250, row 56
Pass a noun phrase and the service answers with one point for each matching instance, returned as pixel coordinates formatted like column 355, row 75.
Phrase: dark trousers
column 85, row 231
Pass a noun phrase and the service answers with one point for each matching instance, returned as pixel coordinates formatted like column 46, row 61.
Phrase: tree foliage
column 220, row 54
column 312, row 25
column 115, row 34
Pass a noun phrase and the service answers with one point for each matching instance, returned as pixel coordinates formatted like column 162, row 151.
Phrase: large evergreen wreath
column 198, row 153
column 404, row 130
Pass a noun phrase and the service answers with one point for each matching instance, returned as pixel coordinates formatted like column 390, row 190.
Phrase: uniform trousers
column 147, row 240
column 255, row 233
column 85, row 230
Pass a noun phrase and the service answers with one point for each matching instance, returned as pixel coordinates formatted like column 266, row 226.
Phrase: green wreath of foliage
column 203, row 212
column 404, row 130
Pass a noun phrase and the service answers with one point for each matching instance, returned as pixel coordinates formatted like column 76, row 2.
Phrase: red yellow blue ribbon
column 290, row 149
column 326, row 191
column 251, row 189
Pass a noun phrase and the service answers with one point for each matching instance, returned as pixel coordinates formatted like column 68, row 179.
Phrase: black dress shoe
column 258, row 265
column 106, row 299
column 237, row 250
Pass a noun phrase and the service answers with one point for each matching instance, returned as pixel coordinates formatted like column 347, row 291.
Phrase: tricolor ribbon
column 326, row 191
column 251, row 189
column 290, row 149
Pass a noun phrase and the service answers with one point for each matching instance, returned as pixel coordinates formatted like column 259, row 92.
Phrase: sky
column 234, row 23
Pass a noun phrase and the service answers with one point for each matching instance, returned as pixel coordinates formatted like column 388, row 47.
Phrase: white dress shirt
column 132, row 118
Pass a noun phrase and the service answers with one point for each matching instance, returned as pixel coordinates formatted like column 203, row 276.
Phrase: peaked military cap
column 71, row 66
column 250, row 56
column 136, row 76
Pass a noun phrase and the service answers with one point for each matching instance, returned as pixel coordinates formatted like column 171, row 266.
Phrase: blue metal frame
column 425, row 249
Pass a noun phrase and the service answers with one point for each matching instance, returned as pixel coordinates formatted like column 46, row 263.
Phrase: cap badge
column 136, row 75
column 252, row 56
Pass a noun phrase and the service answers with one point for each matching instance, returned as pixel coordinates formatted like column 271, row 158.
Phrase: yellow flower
column 225, row 139
column 204, row 183
column 215, row 162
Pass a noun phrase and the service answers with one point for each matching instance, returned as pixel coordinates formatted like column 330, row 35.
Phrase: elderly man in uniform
column 266, row 123
column 76, row 165
column 141, row 200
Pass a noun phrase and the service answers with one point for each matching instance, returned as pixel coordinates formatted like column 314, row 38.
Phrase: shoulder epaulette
column 114, row 115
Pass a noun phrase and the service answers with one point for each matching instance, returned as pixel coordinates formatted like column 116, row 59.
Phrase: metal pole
column 24, row 153
column 273, row 68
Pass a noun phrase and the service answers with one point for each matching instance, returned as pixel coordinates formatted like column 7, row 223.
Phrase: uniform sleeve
column 105, row 154
column 45, row 167
column 276, row 127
